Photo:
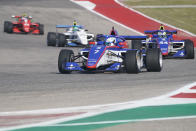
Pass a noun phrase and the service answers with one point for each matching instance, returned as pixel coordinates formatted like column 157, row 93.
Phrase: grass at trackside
column 160, row 2
column 184, row 18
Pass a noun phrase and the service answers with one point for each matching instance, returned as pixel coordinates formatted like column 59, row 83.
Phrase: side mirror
column 30, row 17
column 149, row 36
column 174, row 36
column 92, row 43
column 13, row 16
column 86, row 30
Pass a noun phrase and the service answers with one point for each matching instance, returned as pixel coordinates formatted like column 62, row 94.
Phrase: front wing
column 73, row 66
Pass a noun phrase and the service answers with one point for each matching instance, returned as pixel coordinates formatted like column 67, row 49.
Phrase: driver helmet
column 24, row 15
column 110, row 41
column 161, row 27
column 75, row 28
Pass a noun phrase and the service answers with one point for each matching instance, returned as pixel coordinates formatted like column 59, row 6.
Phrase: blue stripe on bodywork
column 95, row 54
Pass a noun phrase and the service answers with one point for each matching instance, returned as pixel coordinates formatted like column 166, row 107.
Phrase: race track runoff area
column 180, row 104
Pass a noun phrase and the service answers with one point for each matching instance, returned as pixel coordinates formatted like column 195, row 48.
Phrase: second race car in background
column 23, row 24
column 169, row 47
column 73, row 35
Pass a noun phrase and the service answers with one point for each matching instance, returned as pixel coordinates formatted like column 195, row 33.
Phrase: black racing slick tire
column 136, row 44
column 61, row 40
column 51, row 39
column 189, row 49
column 153, row 60
column 64, row 56
column 132, row 57
column 6, row 23
column 41, row 29
column 10, row 27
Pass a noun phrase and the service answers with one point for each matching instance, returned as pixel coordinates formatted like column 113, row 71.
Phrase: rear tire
column 51, row 39
column 6, row 23
column 41, row 29
column 10, row 27
column 132, row 57
column 189, row 49
column 64, row 56
column 153, row 60
column 136, row 44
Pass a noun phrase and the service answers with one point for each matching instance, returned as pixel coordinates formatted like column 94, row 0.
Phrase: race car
column 73, row 35
column 110, row 53
column 23, row 24
column 169, row 47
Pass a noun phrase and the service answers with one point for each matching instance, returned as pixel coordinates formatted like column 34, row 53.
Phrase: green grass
column 160, row 2
column 184, row 18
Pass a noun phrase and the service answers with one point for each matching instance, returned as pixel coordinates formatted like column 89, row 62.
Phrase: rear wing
column 156, row 31
column 151, row 31
column 13, row 16
column 134, row 37
column 68, row 26
column 126, row 37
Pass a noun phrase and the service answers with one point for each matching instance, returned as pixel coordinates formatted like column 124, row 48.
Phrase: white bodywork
column 171, row 48
column 80, row 36
column 109, row 58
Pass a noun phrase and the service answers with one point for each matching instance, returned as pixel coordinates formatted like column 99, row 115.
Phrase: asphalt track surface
column 29, row 77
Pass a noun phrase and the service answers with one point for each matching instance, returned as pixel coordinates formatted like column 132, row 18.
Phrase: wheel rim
column 138, row 59
column 160, row 59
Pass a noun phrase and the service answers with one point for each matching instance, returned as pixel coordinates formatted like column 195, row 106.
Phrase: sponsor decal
column 163, row 42
column 97, row 50
column 181, row 54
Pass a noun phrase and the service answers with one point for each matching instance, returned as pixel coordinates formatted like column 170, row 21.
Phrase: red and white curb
column 25, row 119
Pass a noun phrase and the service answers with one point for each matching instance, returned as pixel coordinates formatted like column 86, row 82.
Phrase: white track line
column 83, row 108
column 122, row 121
column 164, row 6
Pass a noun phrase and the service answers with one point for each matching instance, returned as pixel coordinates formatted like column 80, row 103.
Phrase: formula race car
column 74, row 35
column 169, row 47
column 23, row 24
column 110, row 53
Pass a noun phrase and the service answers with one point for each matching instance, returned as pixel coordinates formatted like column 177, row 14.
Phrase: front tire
column 189, row 49
column 64, row 56
column 153, row 60
column 132, row 61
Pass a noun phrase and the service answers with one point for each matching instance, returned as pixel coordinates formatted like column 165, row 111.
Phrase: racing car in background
column 23, row 24
column 74, row 35
column 110, row 53
column 169, row 47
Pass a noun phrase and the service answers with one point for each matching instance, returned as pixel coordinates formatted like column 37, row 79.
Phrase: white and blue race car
column 111, row 54
column 73, row 35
